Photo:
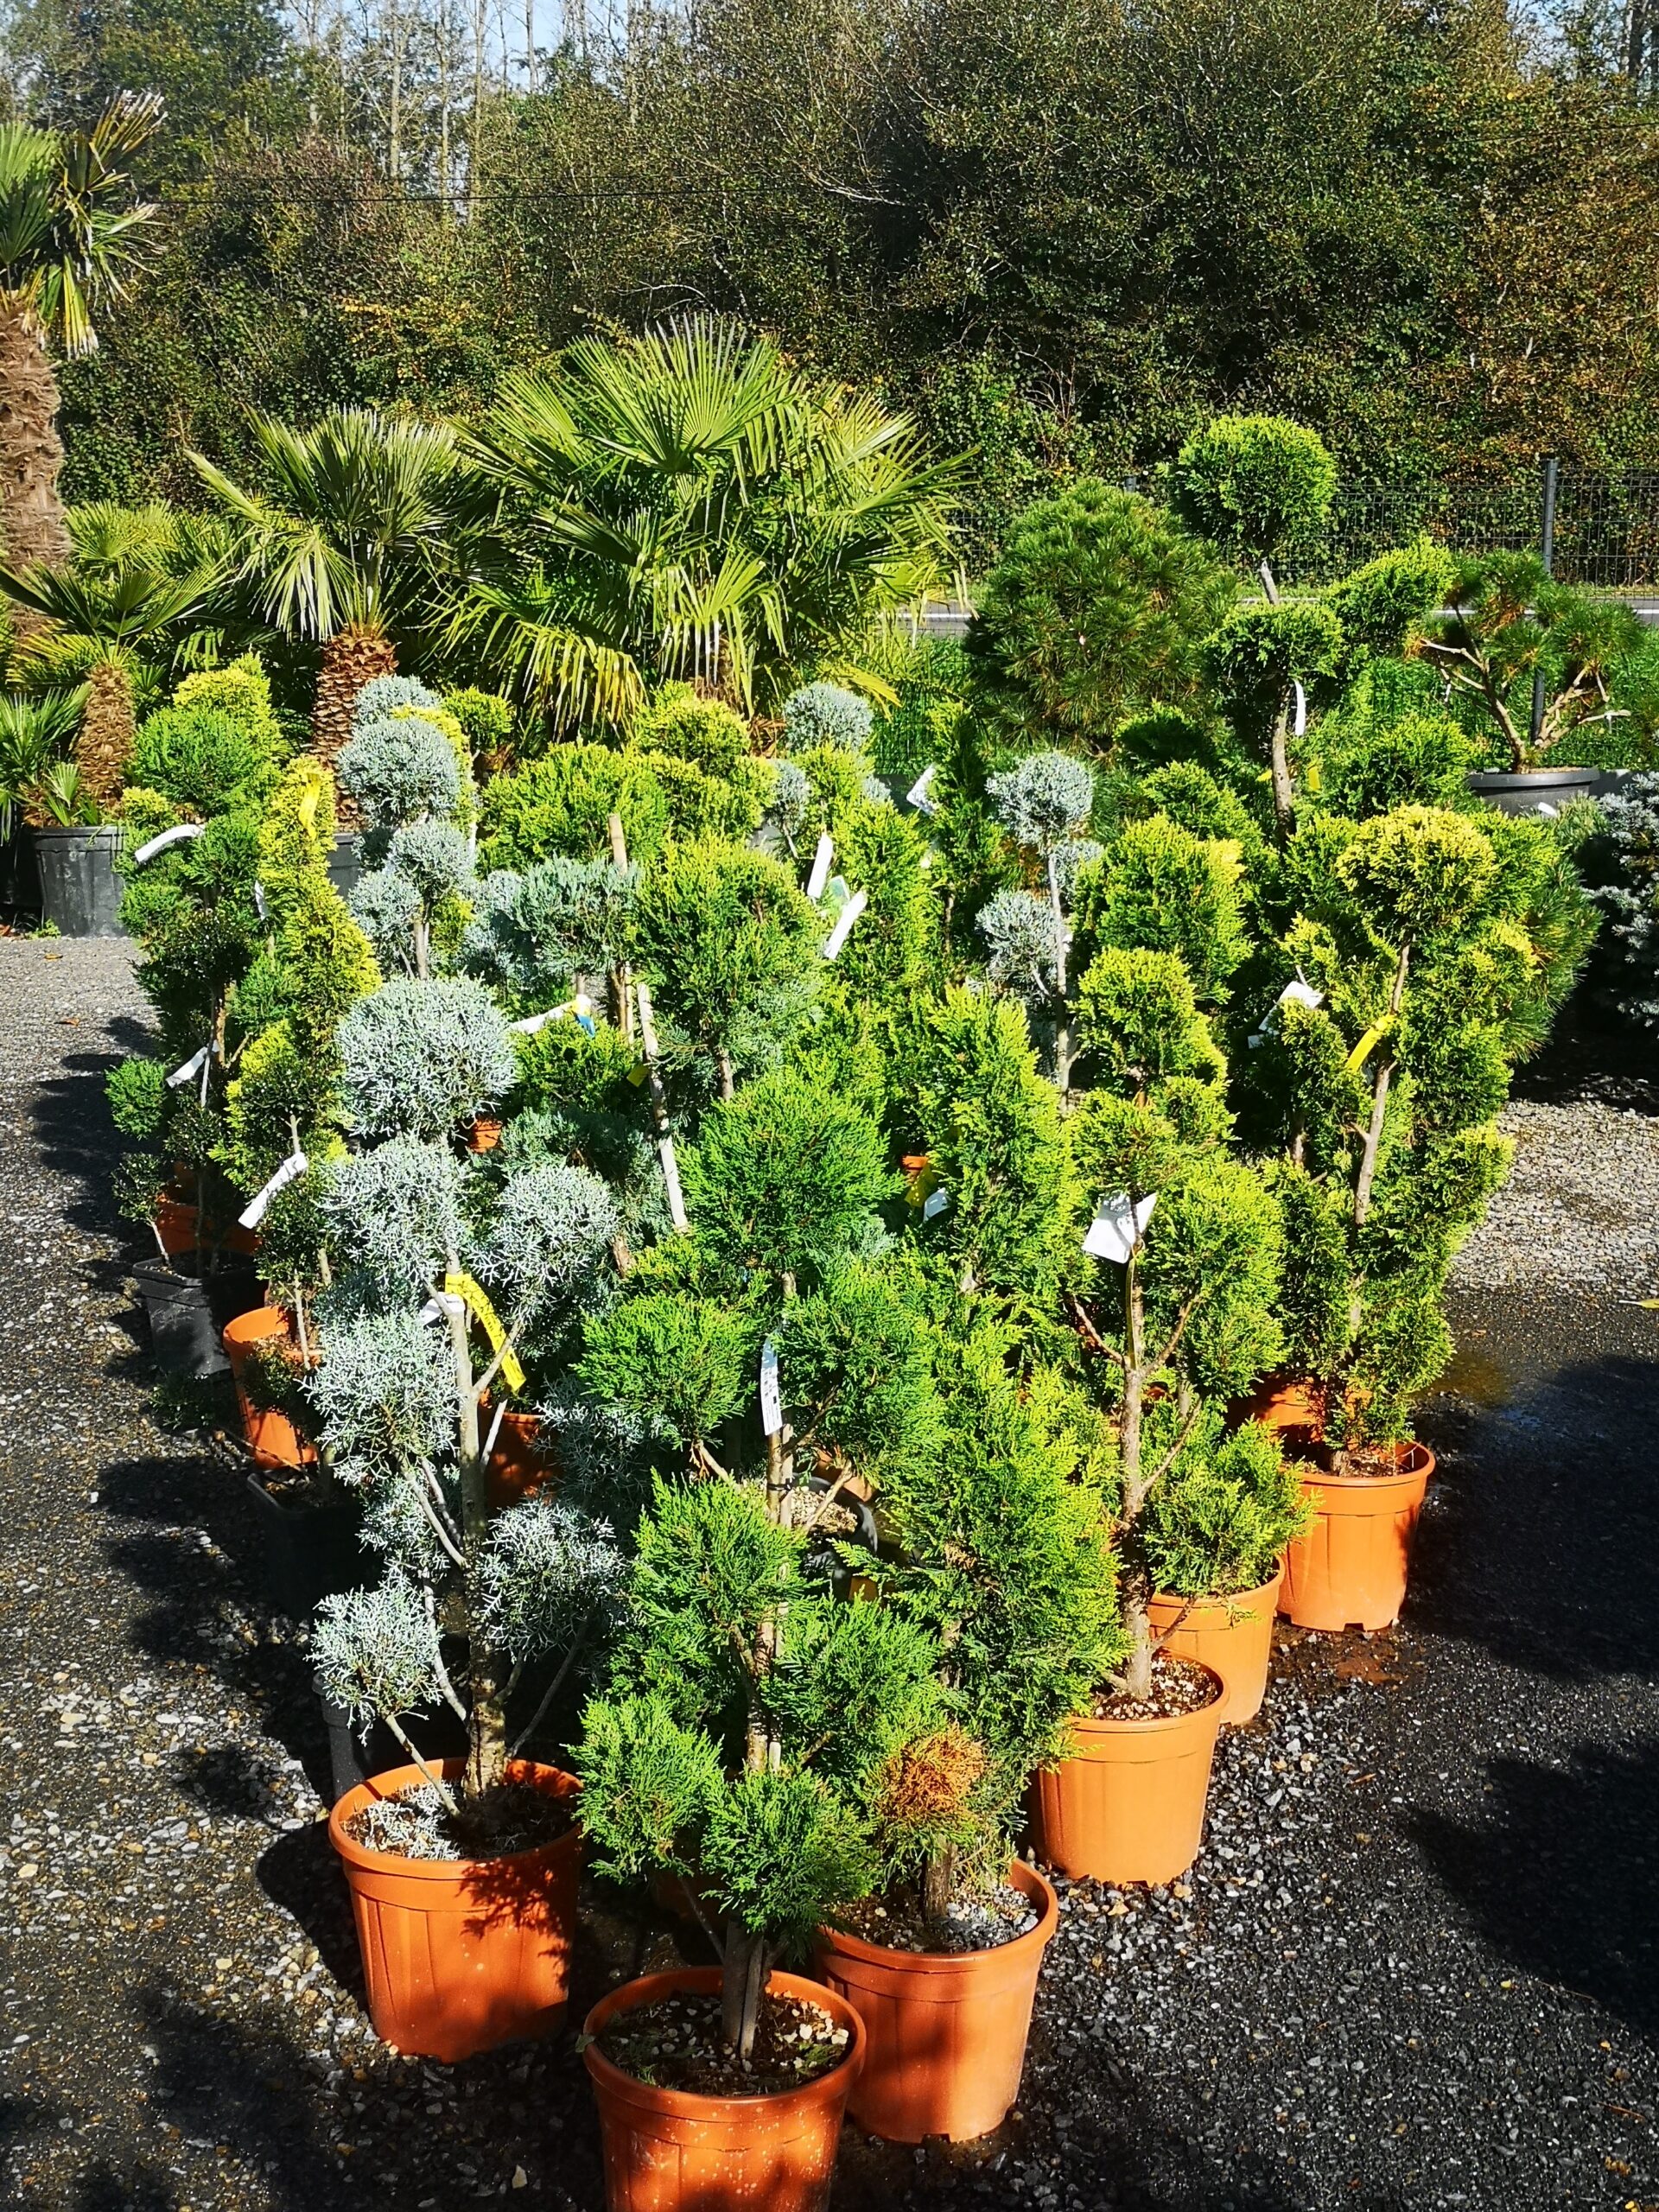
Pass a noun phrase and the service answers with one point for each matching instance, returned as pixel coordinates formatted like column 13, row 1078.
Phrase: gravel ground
column 1581, row 1206
column 1414, row 1967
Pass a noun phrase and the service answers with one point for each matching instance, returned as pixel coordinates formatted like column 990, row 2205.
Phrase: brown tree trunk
column 32, row 525
column 350, row 659
column 105, row 745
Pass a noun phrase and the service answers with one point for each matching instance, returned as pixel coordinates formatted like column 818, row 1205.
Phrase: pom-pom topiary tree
column 1438, row 942
column 405, row 768
column 443, row 1294
column 1176, row 1304
column 1096, row 609
column 1258, row 485
column 749, row 1709
column 825, row 714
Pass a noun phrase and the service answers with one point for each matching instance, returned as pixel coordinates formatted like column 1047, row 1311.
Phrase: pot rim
column 690, row 2104
column 1036, row 1885
column 1415, row 1459
column 253, row 1474
column 442, row 1870
column 1219, row 1597
column 1152, row 1724
column 1517, row 780
column 229, row 1332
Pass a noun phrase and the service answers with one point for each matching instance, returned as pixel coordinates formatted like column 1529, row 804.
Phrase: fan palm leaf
column 733, row 519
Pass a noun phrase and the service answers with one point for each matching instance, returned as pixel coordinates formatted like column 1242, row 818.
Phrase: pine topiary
column 1258, row 485
column 1095, row 611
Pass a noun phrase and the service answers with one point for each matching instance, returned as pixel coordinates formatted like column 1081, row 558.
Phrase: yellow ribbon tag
column 478, row 1305
column 307, row 807
column 1357, row 1058
column 637, row 1073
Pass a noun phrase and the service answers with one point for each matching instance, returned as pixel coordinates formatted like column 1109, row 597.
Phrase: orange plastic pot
column 272, row 1438
column 1127, row 1806
column 484, row 1135
column 517, row 1470
column 460, row 1955
column 1232, row 1635
column 668, row 2150
column 1287, row 1402
column 1350, row 1569
column 178, row 1220
column 947, row 2030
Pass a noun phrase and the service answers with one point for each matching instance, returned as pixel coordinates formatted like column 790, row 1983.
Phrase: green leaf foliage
column 1096, row 610
column 1258, row 485
column 1158, row 888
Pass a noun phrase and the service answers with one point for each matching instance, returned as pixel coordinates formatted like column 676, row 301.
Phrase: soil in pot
column 1127, row 1806
column 676, row 2044
column 1350, row 1570
column 947, row 2011
column 1231, row 1634
column 676, row 2150
column 462, row 1954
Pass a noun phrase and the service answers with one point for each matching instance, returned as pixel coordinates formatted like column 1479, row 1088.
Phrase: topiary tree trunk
column 32, row 523
column 351, row 658
column 107, row 727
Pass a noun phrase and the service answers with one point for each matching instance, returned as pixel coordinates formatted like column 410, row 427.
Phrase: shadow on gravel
column 1540, row 1537
column 218, row 2078
column 1561, row 1877
column 1102, row 2154
column 300, row 1873
column 73, row 1132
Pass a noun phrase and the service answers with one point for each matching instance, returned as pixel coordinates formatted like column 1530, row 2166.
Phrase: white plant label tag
column 918, row 796
column 254, row 1212
column 1297, row 993
column 1118, row 1226
column 581, row 1007
column 935, row 1202
column 848, row 914
column 772, row 1398
column 176, row 836
column 1299, row 727
column 259, row 906
column 821, row 861
column 187, row 1069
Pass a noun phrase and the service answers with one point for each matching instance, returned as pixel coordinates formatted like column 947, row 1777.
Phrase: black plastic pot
column 184, row 1324
column 311, row 1551
column 1525, row 793
column 346, row 863
column 348, row 1756
column 81, row 892
column 20, row 872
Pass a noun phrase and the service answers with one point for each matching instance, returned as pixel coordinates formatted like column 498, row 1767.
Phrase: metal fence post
column 1551, row 475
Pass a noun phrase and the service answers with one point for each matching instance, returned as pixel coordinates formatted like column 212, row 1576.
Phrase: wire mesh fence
column 1606, row 525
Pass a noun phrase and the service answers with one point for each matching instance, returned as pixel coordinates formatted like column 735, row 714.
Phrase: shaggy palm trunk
column 105, row 745
column 32, row 525
column 350, row 659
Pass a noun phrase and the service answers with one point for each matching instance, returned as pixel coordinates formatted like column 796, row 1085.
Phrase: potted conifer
column 1433, row 946
column 1002, row 1554
column 462, row 1871
column 750, row 1708
column 1174, row 1311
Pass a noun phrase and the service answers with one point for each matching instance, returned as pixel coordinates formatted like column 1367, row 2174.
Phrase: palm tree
column 348, row 544
column 134, row 604
column 70, row 240
column 686, row 505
